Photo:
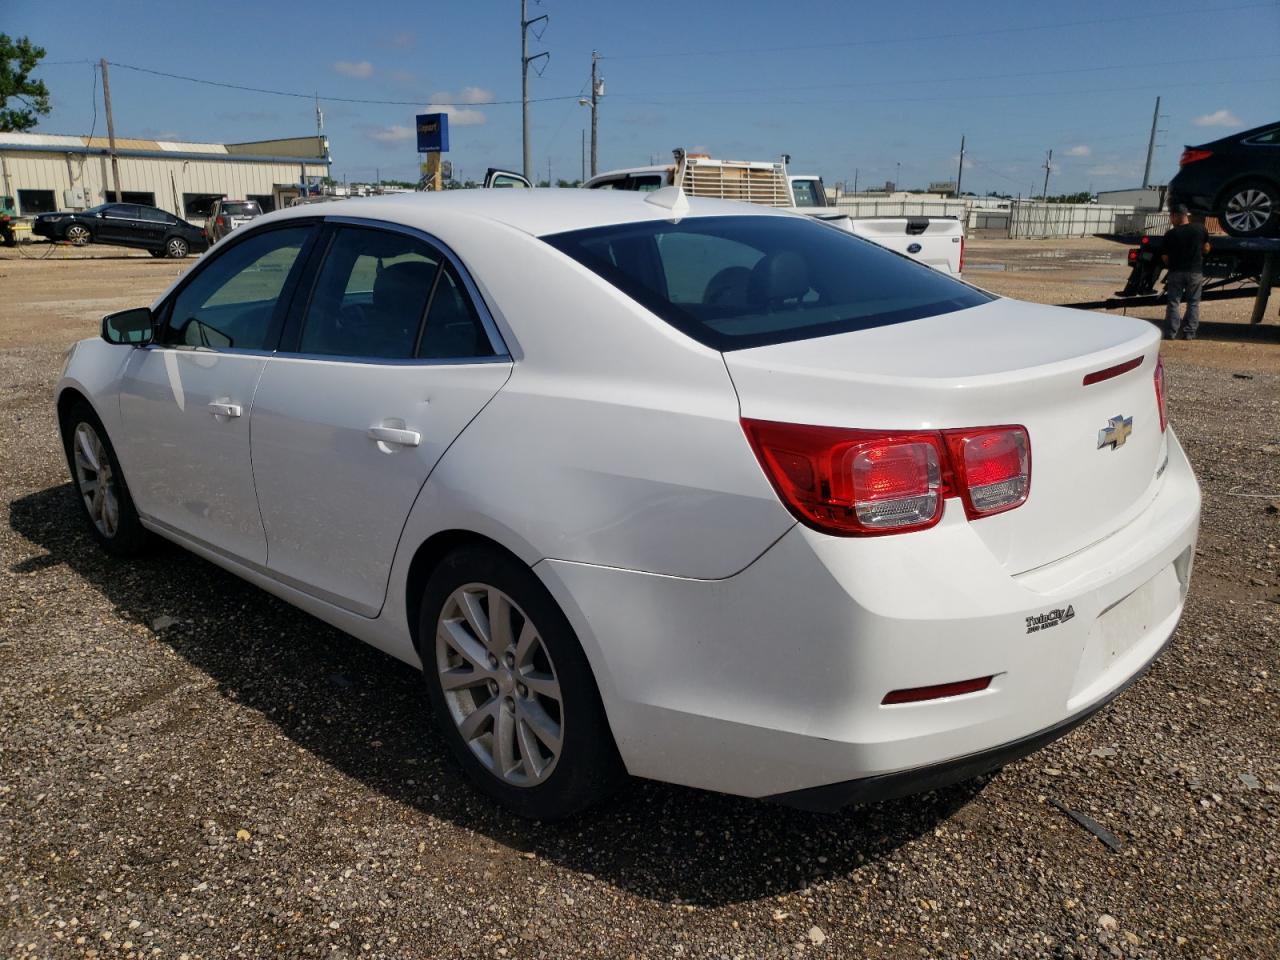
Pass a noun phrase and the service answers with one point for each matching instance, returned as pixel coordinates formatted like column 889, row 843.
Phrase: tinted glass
column 453, row 329
column 1266, row 138
column 370, row 295
column 806, row 193
column 646, row 183
column 155, row 215
column 736, row 282
column 124, row 211
column 241, row 209
column 232, row 301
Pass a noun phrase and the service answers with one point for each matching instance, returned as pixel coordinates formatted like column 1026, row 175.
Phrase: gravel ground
column 190, row 768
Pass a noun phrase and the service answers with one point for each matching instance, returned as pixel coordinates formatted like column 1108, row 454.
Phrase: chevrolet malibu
column 682, row 489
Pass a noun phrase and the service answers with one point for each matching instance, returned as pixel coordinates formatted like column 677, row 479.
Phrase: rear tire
column 511, row 689
column 100, row 486
column 175, row 248
column 1251, row 209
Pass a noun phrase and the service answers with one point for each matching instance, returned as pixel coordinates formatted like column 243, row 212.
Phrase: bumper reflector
column 938, row 691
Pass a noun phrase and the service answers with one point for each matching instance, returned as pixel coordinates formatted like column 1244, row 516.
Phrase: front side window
column 232, row 302
column 747, row 281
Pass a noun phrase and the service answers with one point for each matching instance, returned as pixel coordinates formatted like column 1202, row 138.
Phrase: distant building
column 1140, row 198
column 45, row 172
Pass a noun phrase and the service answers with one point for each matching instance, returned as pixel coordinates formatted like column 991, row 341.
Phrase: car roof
column 1253, row 131
column 538, row 211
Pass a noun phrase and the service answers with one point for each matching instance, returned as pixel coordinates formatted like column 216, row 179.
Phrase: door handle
column 220, row 408
column 395, row 435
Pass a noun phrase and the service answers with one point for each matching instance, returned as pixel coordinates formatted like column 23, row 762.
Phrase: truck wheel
column 511, row 688
column 1251, row 209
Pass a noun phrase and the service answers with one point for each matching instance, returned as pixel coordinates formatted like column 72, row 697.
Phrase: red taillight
column 937, row 691
column 222, row 222
column 991, row 468
column 961, row 255
column 1133, row 256
column 866, row 482
column 1192, row 155
column 1158, row 376
column 1144, row 241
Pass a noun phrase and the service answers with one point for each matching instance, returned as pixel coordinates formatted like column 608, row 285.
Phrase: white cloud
column 1079, row 150
column 462, row 116
column 396, row 133
column 357, row 69
column 1219, row 118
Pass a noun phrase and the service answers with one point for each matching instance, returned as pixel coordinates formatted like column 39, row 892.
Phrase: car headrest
column 402, row 284
column 779, row 276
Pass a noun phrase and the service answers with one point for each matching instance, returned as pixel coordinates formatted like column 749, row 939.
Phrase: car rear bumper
column 770, row 683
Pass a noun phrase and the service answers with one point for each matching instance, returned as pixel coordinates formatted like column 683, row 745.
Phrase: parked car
column 124, row 225
column 1236, row 179
column 697, row 491
column 226, row 215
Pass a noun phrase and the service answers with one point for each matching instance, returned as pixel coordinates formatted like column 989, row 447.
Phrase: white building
column 42, row 172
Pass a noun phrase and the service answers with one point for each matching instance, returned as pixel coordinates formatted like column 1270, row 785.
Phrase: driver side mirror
column 133, row 328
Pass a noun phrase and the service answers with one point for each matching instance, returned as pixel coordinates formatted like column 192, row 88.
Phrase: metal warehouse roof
column 293, row 149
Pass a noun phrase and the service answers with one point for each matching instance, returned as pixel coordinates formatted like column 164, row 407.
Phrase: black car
column 1236, row 179
column 124, row 225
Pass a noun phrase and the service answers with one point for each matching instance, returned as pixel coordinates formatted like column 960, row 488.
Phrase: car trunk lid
column 1001, row 363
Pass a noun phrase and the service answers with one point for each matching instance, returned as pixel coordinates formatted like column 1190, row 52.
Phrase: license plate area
column 1115, row 644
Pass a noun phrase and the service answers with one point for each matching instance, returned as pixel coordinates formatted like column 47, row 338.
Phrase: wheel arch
column 428, row 557
column 1220, row 201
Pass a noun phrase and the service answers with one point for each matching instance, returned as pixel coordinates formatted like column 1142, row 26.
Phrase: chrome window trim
column 496, row 342
column 392, row 361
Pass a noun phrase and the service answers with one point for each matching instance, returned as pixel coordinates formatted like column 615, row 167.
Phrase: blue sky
column 839, row 86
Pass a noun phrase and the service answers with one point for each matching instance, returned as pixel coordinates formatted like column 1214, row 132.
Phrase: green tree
column 29, row 98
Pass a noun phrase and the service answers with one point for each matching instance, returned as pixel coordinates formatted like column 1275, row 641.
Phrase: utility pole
column 597, row 86
column 855, row 181
column 525, row 60
column 111, row 130
column 1151, row 146
column 1048, row 166
column 960, row 172
column 584, row 156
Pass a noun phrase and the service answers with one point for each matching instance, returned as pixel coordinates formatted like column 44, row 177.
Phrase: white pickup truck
column 935, row 241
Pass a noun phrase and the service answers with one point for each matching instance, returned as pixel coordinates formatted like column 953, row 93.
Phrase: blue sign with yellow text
column 433, row 132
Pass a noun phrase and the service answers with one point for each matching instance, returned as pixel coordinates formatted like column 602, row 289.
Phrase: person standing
column 1185, row 244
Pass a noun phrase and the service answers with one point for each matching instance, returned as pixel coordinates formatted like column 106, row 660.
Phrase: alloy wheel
column 1248, row 209
column 77, row 234
column 176, row 248
column 499, row 684
column 96, row 480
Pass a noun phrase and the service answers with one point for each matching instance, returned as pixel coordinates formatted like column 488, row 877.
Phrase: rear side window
column 390, row 296
column 241, row 209
column 738, row 282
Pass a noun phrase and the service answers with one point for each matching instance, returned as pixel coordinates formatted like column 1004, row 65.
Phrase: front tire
column 99, row 483
column 1251, row 209
column 175, row 248
column 511, row 689
column 78, row 234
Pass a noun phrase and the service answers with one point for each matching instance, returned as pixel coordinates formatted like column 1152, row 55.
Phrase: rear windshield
column 244, row 209
column 737, row 282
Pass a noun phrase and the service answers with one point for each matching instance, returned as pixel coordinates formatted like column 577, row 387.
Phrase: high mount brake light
column 872, row 482
column 1192, row 155
column 1158, row 378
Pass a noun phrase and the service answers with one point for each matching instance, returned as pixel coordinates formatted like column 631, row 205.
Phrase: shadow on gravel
column 362, row 712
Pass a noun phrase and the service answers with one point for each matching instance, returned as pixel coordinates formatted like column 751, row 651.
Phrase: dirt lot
column 190, row 768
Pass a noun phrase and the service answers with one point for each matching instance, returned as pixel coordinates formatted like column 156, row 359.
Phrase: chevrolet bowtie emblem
column 1116, row 432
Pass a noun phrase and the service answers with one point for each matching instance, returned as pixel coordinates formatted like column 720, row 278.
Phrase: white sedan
column 690, row 490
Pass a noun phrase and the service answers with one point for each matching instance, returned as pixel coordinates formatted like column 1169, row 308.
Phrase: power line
column 990, row 31
column 313, row 95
